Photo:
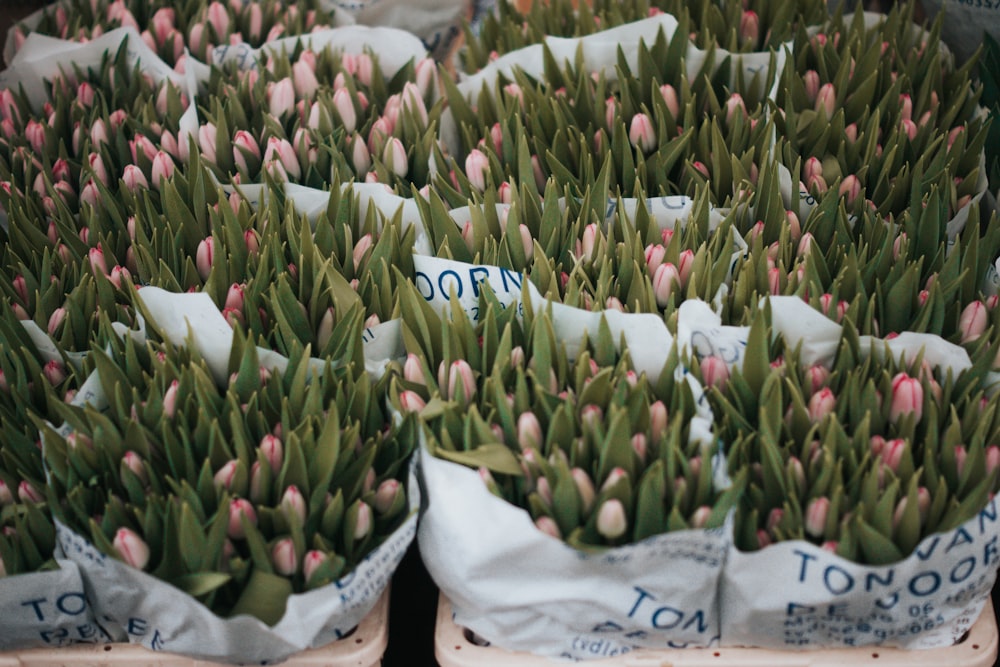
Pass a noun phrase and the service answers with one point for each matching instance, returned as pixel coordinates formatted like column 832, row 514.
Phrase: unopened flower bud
column 611, row 520
column 131, row 548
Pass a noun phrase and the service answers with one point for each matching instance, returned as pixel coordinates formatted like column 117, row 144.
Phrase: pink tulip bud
column 749, row 29
column 665, row 280
column 207, row 137
column 892, row 452
column 641, row 133
column 735, row 104
column 225, row 476
column 907, row 398
column 304, row 79
column 134, row 463
column 909, row 128
column 685, row 264
column 536, row 170
column 815, row 516
column 54, row 372
column 28, row 494
column 133, row 179
column 413, row 371
column 821, row 404
column 905, row 107
column 850, row 188
column 281, row 152
column 670, row 98
column 611, row 520
column 284, row 558
column 55, row 320
column 313, row 558
column 163, row 168
column 97, row 168
column 131, row 548
column 6, row 497
column 363, row 525
column 657, row 420
column 238, row 509
column 826, row 100
column 460, row 381
column 816, row 377
column 203, row 257
column 360, row 157
column 410, row 401
column 34, row 132
column 584, row 487
column 293, row 505
column 170, row 399
column 812, row 172
column 477, row 166
column 529, row 431
column 654, row 257
column 272, row 450
column 386, row 494
column 961, row 454
column 973, row 321
column 548, row 526
column 714, row 372
column 344, row 107
column 811, row 82
column 394, row 157
column 281, row 98
column 360, row 251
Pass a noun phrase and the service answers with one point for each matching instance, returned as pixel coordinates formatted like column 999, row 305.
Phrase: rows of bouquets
column 635, row 188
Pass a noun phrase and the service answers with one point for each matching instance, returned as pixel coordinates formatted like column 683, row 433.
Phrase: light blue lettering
column 805, row 559
column 988, row 512
column 430, row 285
column 848, row 582
column 961, row 537
column 699, row 619
column 35, row 604
column 968, row 561
column 935, row 583
column 137, row 626
column 990, row 553
column 796, row 608
column 458, row 280
column 677, row 615
column 888, row 603
column 873, row 578
column 642, row 596
column 61, row 603
column 474, row 277
column 515, row 278
column 924, row 555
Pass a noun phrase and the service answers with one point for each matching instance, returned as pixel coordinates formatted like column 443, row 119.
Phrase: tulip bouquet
column 863, row 454
column 540, row 430
column 170, row 28
column 739, row 28
column 880, row 117
column 42, row 591
column 654, row 127
column 366, row 124
column 243, row 497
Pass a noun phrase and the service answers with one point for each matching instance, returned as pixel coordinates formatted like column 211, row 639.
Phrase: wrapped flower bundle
column 170, row 28
column 242, row 496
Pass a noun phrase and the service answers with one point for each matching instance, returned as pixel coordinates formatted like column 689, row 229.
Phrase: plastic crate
column 454, row 647
column 362, row 648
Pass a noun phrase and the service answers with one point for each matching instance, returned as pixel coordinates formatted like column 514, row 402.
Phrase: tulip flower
column 477, row 166
column 54, row 372
column 665, row 280
column 548, row 526
column 641, row 133
column 815, row 517
column 529, row 431
column 826, row 101
column 281, row 97
column 131, row 548
column 611, row 520
column 410, row 401
column 394, row 157
column 973, row 321
column 821, row 404
column 55, row 320
column 669, row 94
column 311, row 562
column 749, row 30
column 272, row 450
column 907, row 398
column 283, row 557
column 714, row 371
column 293, row 505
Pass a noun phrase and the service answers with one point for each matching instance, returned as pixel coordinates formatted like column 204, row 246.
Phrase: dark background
column 414, row 596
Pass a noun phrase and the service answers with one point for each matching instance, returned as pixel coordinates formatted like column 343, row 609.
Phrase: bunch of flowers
column 651, row 125
column 319, row 118
column 240, row 495
column 864, row 456
column 880, row 117
column 734, row 26
column 169, row 28
column 596, row 453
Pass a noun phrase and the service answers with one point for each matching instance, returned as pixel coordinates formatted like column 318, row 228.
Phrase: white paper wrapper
column 46, row 609
column 141, row 609
column 436, row 22
column 42, row 58
column 160, row 617
column 794, row 595
column 523, row 590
